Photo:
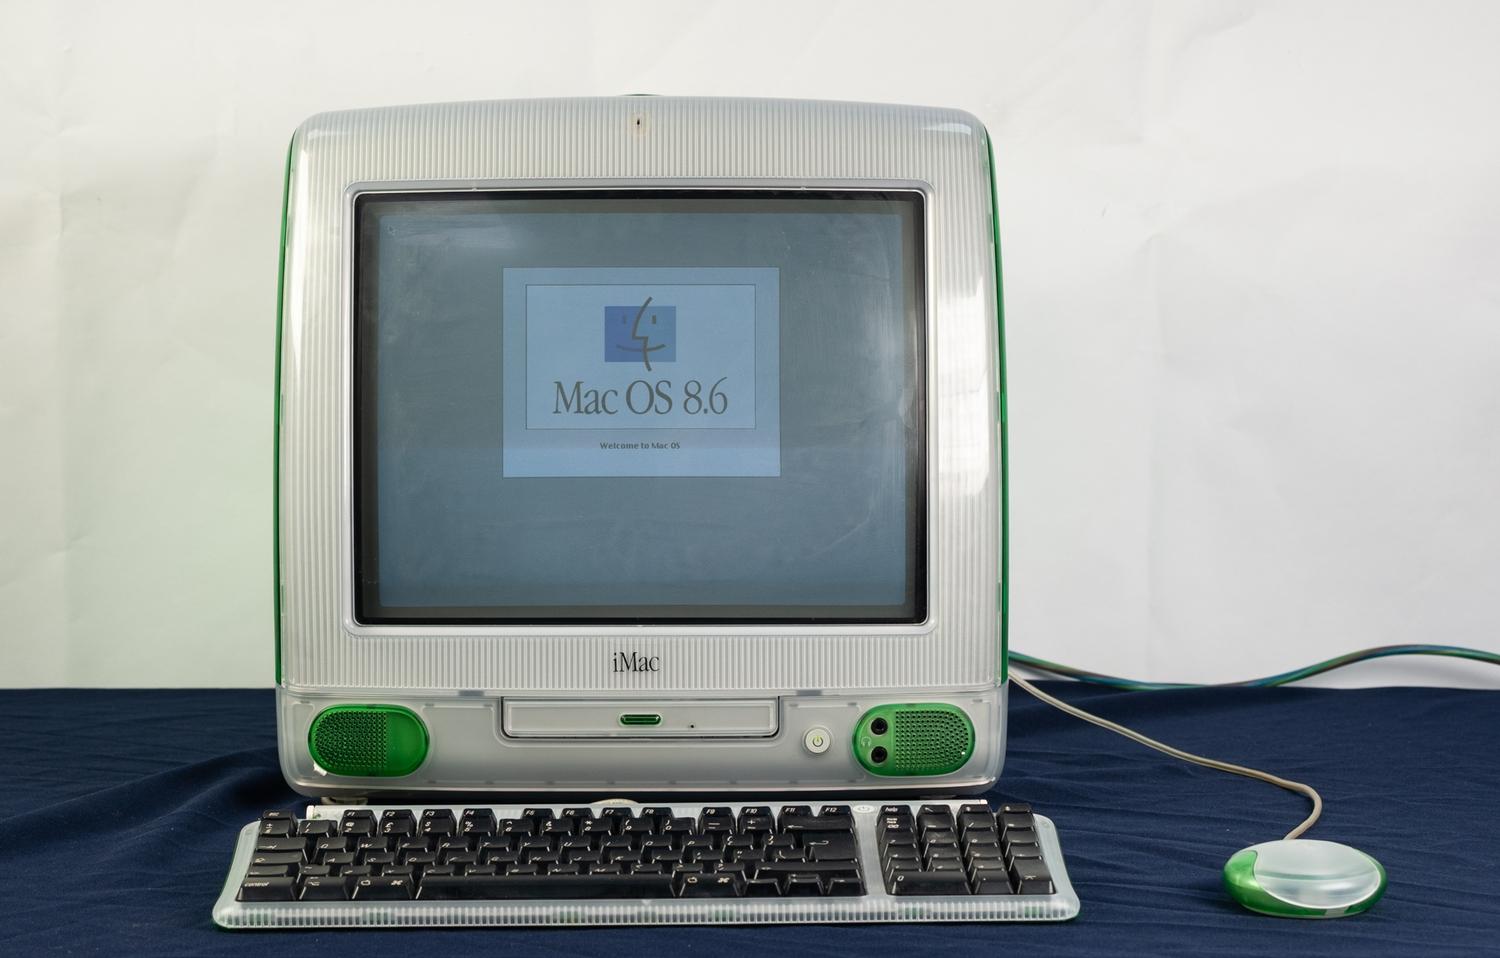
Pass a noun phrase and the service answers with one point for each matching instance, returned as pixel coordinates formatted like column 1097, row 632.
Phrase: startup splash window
column 641, row 372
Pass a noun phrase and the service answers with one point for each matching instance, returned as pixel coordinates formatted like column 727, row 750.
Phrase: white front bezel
column 580, row 145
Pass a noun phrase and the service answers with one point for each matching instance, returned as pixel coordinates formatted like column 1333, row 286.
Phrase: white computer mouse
column 1304, row 878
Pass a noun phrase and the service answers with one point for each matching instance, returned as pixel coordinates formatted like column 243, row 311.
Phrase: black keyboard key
column 275, row 858
column 657, row 813
column 1030, row 877
column 988, row 849
column 276, row 826
column 908, row 854
column 357, row 822
column 830, row 846
column 397, row 822
column 515, row 827
column 477, row 822
column 533, row 887
column 537, row 814
column 939, row 836
column 992, row 883
column 319, row 888
column 637, row 826
column 817, row 823
column 710, row 886
column 598, row 827
column 318, row 828
column 981, row 866
column 839, row 886
column 281, row 843
column 382, row 888
column 437, row 821
column 929, row 883
column 267, row 889
column 678, row 826
column 975, row 816
column 697, row 844
column 769, row 887
column 801, row 885
column 271, row 871
column 935, row 816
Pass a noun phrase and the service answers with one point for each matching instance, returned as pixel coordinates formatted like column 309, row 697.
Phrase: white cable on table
column 1286, row 783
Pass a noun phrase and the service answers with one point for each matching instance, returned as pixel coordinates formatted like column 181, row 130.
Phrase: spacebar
column 470, row 887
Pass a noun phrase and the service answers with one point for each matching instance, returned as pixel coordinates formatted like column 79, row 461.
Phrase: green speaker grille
column 926, row 739
column 368, row 740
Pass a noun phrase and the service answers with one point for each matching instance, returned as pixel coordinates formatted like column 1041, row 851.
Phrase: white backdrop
column 1252, row 279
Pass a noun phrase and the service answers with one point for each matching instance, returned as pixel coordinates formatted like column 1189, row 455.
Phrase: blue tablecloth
column 119, row 810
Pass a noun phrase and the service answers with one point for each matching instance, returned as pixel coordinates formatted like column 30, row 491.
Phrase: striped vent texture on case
column 368, row 740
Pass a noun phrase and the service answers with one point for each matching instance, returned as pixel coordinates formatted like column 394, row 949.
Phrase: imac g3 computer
column 640, row 445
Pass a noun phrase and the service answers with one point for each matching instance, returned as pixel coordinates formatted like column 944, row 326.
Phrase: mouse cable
column 1286, row 783
column 1269, row 681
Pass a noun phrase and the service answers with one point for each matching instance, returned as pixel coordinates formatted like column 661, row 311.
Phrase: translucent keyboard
column 624, row 864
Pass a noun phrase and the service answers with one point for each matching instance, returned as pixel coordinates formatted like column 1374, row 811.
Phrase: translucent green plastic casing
column 381, row 740
column 931, row 738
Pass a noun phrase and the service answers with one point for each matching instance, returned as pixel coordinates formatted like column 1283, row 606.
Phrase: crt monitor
column 640, row 445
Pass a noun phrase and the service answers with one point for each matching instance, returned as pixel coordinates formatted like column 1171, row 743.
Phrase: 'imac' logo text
column 635, row 662
column 640, row 334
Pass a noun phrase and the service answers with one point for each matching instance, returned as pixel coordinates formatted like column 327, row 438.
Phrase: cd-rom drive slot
column 639, row 718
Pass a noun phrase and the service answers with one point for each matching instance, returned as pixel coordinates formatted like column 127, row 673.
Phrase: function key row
column 651, row 820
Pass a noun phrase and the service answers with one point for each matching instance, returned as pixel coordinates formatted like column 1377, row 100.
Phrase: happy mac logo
column 642, row 334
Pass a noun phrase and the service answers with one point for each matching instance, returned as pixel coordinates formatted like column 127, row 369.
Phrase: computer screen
column 690, row 406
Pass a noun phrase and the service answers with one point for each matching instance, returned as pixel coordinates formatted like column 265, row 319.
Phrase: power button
column 817, row 740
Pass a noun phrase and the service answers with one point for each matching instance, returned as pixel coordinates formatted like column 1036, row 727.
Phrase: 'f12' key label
column 641, row 372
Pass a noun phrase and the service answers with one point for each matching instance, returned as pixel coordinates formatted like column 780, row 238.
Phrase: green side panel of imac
column 930, row 738
column 286, row 198
column 1004, row 427
column 368, row 740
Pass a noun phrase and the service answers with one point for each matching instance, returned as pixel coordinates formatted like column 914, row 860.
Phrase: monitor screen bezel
column 360, row 522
